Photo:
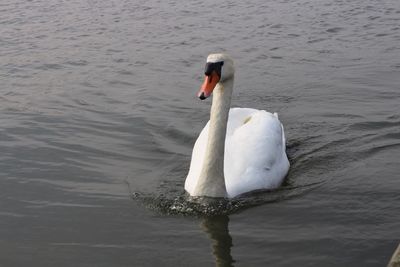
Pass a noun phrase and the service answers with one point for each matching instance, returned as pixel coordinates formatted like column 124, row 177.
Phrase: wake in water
column 183, row 204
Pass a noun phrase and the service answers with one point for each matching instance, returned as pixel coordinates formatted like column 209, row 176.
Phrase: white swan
column 237, row 155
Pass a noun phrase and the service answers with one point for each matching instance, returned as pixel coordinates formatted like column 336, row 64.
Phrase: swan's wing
column 255, row 156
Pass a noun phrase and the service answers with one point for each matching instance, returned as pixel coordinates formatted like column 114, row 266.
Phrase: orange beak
column 208, row 86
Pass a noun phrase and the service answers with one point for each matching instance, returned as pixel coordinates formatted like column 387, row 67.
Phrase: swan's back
column 255, row 156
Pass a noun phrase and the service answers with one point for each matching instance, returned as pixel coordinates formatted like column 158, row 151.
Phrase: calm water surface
column 97, row 102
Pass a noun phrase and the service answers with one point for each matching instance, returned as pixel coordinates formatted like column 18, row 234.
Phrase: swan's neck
column 211, row 182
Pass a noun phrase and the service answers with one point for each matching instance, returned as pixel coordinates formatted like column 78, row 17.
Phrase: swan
column 240, row 149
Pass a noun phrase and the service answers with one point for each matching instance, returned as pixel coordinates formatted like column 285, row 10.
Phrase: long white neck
column 211, row 182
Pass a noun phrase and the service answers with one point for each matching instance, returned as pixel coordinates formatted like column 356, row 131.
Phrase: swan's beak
column 210, row 81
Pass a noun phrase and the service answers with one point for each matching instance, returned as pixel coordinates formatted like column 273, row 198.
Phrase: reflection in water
column 217, row 229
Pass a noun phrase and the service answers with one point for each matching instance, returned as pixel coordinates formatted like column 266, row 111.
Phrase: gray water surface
column 97, row 102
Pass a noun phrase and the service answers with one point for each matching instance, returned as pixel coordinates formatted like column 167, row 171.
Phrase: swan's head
column 219, row 68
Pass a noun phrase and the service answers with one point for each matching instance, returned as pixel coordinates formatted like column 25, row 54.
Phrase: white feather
column 255, row 156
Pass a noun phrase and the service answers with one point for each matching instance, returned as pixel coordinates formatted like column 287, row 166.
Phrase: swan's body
column 237, row 155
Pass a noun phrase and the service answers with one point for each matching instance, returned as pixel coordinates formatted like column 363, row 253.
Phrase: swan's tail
column 283, row 139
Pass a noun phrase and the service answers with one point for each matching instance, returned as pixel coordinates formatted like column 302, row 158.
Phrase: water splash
column 183, row 204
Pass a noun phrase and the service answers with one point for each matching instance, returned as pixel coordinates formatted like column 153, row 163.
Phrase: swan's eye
column 208, row 69
column 213, row 66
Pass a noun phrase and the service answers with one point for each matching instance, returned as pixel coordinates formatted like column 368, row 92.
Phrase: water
column 97, row 102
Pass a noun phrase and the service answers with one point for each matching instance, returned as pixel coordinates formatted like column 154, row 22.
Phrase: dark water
column 97, row 101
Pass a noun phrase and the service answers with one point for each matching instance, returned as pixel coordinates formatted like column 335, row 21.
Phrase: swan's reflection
column 217, row 229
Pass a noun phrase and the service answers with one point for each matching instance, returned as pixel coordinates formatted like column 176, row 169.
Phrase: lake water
column 99, row 114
